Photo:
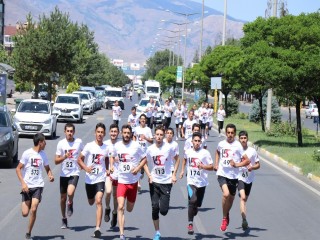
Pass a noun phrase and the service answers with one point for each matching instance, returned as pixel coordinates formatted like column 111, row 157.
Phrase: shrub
column 254, row 114
column 72, row 86
column 282, row 129
column 233, row 106
column 316, row 155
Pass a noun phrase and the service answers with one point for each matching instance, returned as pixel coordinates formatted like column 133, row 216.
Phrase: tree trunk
column 261, row 114
column 299, row 132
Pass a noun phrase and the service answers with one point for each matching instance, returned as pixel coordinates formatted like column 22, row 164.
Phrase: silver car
column 68, row 107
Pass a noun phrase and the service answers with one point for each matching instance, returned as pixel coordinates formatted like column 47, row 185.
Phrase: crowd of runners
column 114, row 167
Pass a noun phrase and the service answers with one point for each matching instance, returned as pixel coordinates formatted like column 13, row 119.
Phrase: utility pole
column 201, row 36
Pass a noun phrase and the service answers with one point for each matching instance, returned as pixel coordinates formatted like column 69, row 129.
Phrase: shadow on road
column 48, row 237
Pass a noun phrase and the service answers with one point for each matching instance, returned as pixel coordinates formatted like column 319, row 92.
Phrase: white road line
column 292, row 176
column 197, row 220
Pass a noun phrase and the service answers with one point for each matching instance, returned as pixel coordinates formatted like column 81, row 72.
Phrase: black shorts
column 179, row 124
column 65, row 181
column 92, row 189
column 245, row 186
column 231, row 183
column 203, row 125
column 33, row 193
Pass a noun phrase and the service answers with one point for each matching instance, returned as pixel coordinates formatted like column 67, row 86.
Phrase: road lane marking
column 291, row 176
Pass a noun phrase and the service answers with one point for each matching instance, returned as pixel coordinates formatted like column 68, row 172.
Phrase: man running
column 112, row 178
column 188, row 143
column 159, row 158
column 187, row 125
column 228, row 150
column 133, row 119
column 174, row 146
column 29, row 172
column 116, row 112
column 131, row 159
column 68, row 150
column 93, row 159
column 246, row 175
column 198, row 162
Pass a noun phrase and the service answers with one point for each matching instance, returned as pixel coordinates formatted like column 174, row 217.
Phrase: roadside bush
column 254, row 114
column 316, row 155
column 241, row 116
column 282, row 129
column 233, row 106
column 72, row 86
column 23, row 87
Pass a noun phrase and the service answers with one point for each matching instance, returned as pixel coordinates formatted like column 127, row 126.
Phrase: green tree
column 167, row 77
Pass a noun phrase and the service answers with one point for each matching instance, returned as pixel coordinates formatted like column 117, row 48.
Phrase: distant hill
column 127, row 29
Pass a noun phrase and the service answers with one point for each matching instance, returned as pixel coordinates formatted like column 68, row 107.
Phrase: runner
column 133, row 119
column 210, row 118
column 116, row 112
column 187, row 125
column 198, row 161
column 246, row 175
column 188, row 143
column 220, row 118
column 159, row 158
column 131, row 160
column 93, row 159
column 29, row 172
column 174, row 146
column 184, row 109
column 144, row 137
column 151, row 110
column 178, row 115
column 112, row 178
column 167, row 114
column 68, row 150
column 227, row 150
column 203, row 112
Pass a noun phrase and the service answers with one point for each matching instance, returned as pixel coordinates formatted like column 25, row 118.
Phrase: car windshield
column 3, row 120
column 34, row 107
column 83, row 96
column 113, row 93
column 143, row 103
column 152, row 89
column 67, row 99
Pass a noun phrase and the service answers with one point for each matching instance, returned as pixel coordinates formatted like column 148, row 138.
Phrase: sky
column 249, row 10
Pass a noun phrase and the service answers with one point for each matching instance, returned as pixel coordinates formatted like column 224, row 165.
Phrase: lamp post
column 201, row 36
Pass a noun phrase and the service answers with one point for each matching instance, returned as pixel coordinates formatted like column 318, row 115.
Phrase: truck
column 152, row 89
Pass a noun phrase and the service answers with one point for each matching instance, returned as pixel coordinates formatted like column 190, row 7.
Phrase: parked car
column 312, row 111
column 113, row 94
column 9, row 138
column 68, row 107
column 35, row 116
column 43, row 92
column 99, row 95
column 142, row 106
column 87, row 100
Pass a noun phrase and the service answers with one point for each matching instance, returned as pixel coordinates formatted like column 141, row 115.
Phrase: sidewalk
column 17, row 95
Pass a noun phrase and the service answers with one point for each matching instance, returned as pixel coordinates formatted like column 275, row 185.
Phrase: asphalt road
column 280, row 206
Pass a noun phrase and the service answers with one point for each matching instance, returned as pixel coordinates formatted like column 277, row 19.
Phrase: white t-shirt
column 178, row 114
column 203, row 112
column 151, row 109
column 184, row 111
column 195, row 176
column 229, row 151
column 210, row 113
column 69, row 166
column 188, row 144
column 112, row 153
column 167, row 111
column 129, row 156
column 96, row 156
column 134, row 121
column 160, row 161
column 175, row 147
column 172, row 104
column 221, row 114
column 187, row 125
column 146, row 131
column 196, row 116
column 116, row 112
column 33, row 163
column 244, row 174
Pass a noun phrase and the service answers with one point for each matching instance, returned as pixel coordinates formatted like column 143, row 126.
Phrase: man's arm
column 216, row 162
column 24, row 186
column 49, row 173
column 183, row 165
column 80, row 161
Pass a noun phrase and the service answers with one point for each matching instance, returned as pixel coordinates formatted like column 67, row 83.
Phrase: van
column 152, row 89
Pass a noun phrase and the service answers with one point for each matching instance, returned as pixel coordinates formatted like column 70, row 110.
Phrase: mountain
column 126, row 29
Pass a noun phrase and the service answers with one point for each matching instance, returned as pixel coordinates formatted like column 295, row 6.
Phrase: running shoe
column 114, row 219
column 224, row 225
column 96, row 234
column 64, row 223
column 107, row 215
column 70, row 209
column 157, row 236
column 28, row 236
column 122, row 237
column 190, row 229
column 228, row 219
column 244, row 224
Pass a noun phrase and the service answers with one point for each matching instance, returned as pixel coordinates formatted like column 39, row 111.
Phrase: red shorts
column 128, row 191
column 114, row 182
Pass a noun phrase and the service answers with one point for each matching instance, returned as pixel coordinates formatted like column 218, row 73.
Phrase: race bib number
column 142, row 144
column 195, row 172
column 226, row 157
column 96, row 170
column 126, row 167
column 34, row 173
column 245, row 174
column 159, row 170
column 226, row 162
column 69, row 164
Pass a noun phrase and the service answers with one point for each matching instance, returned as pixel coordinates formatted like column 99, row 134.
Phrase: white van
column 152, row 89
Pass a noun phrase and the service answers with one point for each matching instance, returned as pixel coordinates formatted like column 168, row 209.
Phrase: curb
column 278, row 159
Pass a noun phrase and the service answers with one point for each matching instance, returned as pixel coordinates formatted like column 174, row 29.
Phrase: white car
column 142, row 106
column 68, row 107
column 35, row 116
column 111, row 95
column 88, row 101
column 312, row 111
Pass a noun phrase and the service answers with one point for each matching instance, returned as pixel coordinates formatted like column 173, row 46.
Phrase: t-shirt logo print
column 97, row 158
column 35, row 162
column 70, row 151
column 193, row 162
column 124, row 157
column 157, row 160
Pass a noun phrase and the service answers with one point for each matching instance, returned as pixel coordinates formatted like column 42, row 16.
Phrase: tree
column 167, row 77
